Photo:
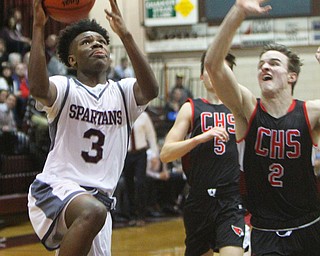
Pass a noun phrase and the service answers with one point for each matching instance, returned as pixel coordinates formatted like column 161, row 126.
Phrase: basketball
column 68, row 11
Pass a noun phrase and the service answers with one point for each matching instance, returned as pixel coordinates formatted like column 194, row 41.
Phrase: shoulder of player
column 313, row 111
column 313, row 107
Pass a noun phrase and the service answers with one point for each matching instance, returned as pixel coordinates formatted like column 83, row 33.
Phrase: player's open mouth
column 266, row 78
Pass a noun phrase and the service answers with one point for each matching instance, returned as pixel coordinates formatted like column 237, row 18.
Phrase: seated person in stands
column 12, row 141
column 172, row 108
column 7, row 121
column 167, row 188
column 15, row 42
column 3, row 96
column 38, row 131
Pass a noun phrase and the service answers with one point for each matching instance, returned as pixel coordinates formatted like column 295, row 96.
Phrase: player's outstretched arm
column 240, row 100
column 147, row 87
column 38, row 78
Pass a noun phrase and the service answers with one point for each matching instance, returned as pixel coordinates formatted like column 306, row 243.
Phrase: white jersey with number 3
column 89, row 132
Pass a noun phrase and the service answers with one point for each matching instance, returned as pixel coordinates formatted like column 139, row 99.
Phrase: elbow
column 33, row 91
column 164, row 157
column 152, row 94
column 36, row 93
column 155, row 91
column 211, row 66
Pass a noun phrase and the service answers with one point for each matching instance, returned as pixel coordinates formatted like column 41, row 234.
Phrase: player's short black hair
column 67, row 35
column 230, row 58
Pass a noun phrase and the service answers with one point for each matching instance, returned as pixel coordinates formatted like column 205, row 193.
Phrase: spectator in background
column 15, row 41
column 3, row 84
column 14, row 58
column 12, row 141
column 54, row 65
column 156, row 175
column 143, row 136
column 111, row 73
column 7, row 75
column 25, row 59
column 166, row 188
column 37, row 128
column 185, row 92
column 7, row 120
column 8, row 126
column 3, row 96
column 123, row 70
column 3, row 52
column 17, row 15
column 21, row 90
column 172, row 108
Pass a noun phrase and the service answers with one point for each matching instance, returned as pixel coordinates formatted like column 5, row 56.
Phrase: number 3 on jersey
column 96, row 147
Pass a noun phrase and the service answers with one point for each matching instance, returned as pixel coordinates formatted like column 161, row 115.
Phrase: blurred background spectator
column 14, row 58
column 17, row 15
column 166, row 188
column 6, row 74
column 54, row 65
column 37, row 129
column 3, row 84
column 3, row 52
column 7, row 120
column 143, row 136
column 12, row 141
column 3, row 95
column 123, row 70
column 172, row 107
column 14, row 40
column 179, row 84
column 111, row 73
column 21, row 90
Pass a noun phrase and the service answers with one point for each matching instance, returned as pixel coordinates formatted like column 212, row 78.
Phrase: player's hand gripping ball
column 68, row 11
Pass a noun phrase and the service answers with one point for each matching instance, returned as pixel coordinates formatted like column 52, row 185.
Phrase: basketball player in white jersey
column 90, row 119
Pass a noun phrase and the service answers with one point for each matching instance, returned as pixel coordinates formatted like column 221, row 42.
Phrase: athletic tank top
column 279, row 175
column 213, row 164
column 89, row 132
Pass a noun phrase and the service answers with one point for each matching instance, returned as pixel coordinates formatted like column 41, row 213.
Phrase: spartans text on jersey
column 110, row 117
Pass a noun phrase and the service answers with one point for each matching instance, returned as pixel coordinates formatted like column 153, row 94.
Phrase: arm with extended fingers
column 147, row 87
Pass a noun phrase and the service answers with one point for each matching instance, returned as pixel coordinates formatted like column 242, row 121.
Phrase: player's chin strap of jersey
column 109, row 202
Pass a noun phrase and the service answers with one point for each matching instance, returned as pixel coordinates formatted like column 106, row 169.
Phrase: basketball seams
column 50, row 7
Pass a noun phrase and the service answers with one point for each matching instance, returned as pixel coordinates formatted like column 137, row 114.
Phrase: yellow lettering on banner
column 184, row 7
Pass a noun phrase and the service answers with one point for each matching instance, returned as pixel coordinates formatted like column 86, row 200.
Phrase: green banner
column 160, row 8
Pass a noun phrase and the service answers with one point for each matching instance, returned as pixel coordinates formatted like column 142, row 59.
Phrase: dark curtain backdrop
column 52, row 27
